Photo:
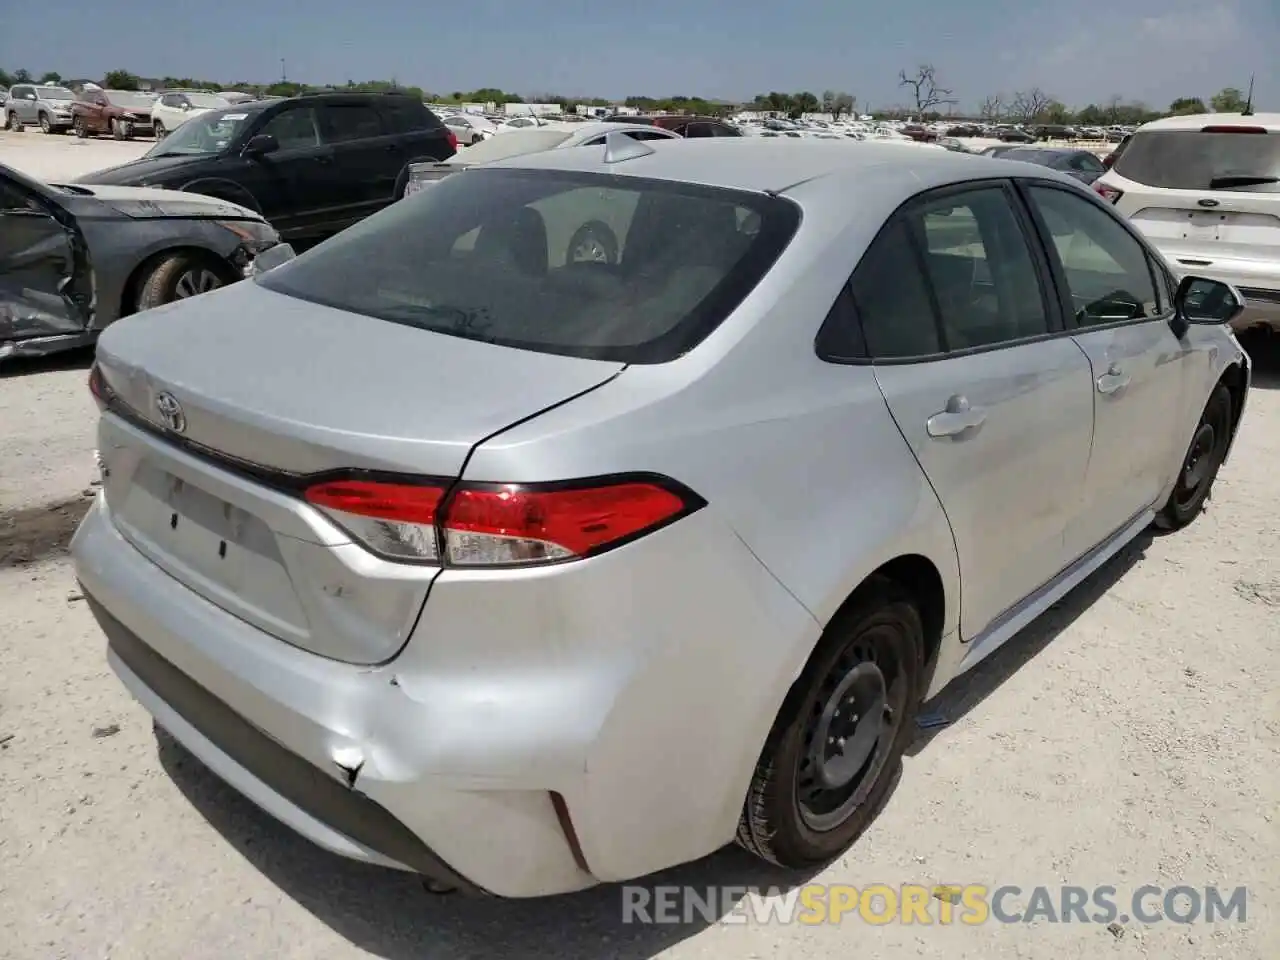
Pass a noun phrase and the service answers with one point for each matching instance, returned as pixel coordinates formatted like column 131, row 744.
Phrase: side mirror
column 260, row 146
column 1200, row 300
column 271, row 258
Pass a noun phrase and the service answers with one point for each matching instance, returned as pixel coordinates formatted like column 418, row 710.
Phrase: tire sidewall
column 1218, row 412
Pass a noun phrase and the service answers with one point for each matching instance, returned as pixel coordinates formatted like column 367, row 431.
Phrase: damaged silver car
column 76, row 257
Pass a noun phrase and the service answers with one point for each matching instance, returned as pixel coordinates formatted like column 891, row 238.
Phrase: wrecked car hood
column 150, row 202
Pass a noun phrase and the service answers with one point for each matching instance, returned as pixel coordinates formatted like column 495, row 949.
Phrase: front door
column 297, row 185
column 995, row 407
column 39, row 278
column 1121, row 317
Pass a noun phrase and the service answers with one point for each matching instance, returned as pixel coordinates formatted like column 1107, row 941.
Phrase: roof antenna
column 1248, row 102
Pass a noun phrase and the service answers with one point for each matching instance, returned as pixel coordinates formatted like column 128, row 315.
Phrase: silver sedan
column 527, row 572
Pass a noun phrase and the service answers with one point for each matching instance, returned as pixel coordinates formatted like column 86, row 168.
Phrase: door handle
column 957, row 418
column 1113, row 381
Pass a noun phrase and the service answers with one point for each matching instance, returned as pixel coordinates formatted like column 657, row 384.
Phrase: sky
column 1148, row 50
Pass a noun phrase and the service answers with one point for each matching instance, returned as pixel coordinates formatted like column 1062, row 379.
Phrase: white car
column 172, row 110
column 469, row 128
column 1206, row 190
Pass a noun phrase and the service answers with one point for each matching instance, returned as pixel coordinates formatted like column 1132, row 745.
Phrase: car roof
column 1196, row 121
column 766, row 165
column 594, row 129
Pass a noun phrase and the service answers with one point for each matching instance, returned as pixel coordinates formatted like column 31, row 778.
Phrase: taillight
column 1109, row 194
column 453, row 139
column 98, row 385
column 488, row 525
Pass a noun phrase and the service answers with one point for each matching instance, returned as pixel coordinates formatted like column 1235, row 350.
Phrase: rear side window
column 623, row 269
column 892, row 298
column 351, row 121
column 405, row 115
column 1194, row 160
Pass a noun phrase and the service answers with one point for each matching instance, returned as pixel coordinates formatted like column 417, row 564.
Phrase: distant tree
column 844, row 103
column 22, row 76
column 1055, row 112
column 1027, row 105
column 51, row 76
column 1226, row 100
column 992, row 108
column 1185, row 106
column 925, row 89
column 1091, row 116
column 802, row 103
column 120, row 80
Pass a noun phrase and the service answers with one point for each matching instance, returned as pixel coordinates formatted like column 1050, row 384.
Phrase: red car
column 121, row 113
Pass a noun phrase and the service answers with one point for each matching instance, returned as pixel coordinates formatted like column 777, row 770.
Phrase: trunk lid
column 369, row 394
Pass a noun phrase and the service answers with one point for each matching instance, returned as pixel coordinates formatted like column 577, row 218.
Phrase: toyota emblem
column 170, row 411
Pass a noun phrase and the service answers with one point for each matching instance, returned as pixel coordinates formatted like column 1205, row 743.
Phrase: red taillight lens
column 485, row 525
column 453, row 139
column 98, row 385
column 1109, row 194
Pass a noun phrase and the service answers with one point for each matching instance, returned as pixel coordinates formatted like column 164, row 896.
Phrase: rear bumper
column 1257, row 280
column 528, row 741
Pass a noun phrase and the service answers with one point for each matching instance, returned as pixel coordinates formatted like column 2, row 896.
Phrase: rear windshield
column 587, row 265
column 1192, row 160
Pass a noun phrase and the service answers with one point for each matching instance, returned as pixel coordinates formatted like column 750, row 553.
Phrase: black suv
column 312, row 164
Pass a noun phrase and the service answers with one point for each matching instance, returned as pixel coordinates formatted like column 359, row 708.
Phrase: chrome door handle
column 958, row 418
column 1113, row 381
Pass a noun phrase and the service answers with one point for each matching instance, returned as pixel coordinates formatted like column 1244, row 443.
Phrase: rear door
column 23, row 103
column 994, row 399
column 1208, row 197
column 368, row 156
column 1120, row 310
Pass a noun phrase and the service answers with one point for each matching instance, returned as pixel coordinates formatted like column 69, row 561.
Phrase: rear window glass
column 610, row 268
column 1192, row 160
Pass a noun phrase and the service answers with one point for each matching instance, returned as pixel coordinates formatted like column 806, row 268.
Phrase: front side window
column 565, row 263
column 1107, row 270
column 294, row 129
column 981, row 271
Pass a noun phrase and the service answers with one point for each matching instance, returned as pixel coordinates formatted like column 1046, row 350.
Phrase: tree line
column 925, row 98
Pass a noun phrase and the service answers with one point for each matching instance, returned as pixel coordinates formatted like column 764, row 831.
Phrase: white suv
column 1206, row 190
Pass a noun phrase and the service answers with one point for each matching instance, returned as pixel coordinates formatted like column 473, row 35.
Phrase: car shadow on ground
column 389, row 914
column 970, row 689
column 1264, row 352
column 80, row 358
column 34, row 534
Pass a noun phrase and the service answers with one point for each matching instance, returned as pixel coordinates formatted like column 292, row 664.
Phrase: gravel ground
column 63, row 156
column 1128, row 737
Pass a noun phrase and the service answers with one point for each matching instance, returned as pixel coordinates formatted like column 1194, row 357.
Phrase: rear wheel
column 80, row 127
column 1200, row 465
column 180, row 276
column 836, row 745
column 46, row 126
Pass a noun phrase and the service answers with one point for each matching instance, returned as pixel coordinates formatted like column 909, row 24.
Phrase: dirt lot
column 62, row 156
column 1131, row 736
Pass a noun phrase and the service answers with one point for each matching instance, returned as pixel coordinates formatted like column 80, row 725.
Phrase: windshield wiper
column 1241, row 180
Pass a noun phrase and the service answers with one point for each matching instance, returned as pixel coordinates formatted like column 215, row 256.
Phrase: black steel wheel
column 1200, row 465
column 838, row 741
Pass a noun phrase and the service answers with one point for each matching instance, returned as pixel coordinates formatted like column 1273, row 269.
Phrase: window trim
column 1065, row 303
column 1039, row 259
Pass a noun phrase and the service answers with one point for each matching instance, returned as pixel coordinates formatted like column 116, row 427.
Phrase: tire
column 160, row 131
column 1200, row 464
column 14, row 123
column 46, row 127
column 80, row 128
column 593, row 242
column 179, row 276
column 121, row 129
column 869, row 663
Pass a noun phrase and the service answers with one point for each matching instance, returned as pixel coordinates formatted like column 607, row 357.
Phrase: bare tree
column 924, row 88
column 1029, row 104
column 992, row 108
